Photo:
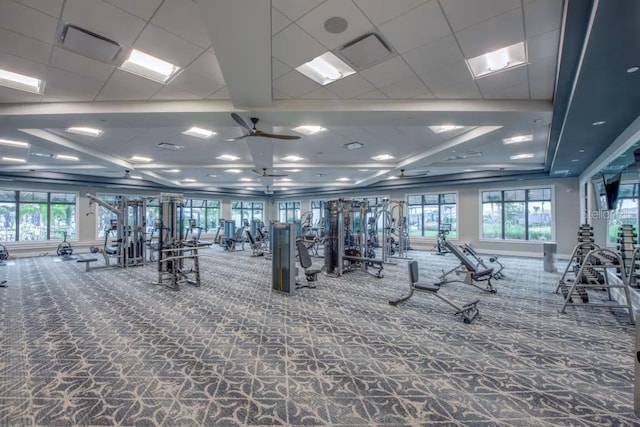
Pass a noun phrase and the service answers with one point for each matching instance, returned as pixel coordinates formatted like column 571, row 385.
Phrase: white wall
column 567, row 214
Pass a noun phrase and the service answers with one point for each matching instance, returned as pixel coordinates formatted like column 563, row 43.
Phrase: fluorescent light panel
column 444, row 128
column 12, row 143
column 497, row 60
column 228, row 157
column 382, row 157
column 172, row 170
column 325, row 69
column 517, row 139
column 65, row 157
column 13, row 159
column 20, row 82
column 83, row 130
column 308, row 129
column 189, row 180
column 343, row 179
column 140, row 159
column 245, row 179
column 135, row 176
column 522, row 156
column 292, row 158
column 233, row 171
column 149, row 66
column 199, row 132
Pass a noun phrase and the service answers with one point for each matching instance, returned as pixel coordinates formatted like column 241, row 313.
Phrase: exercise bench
column 468, row 311
column 472, row 274
column 305, row 262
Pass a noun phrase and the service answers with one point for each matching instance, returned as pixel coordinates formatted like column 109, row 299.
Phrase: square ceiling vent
column 89, row 44
column 366, row 51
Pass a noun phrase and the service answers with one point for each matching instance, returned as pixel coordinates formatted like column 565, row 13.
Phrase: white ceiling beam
column 240, row 32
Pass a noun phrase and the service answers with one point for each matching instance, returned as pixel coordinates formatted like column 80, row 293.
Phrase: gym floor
column 108, row 347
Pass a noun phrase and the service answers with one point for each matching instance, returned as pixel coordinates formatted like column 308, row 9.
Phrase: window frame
column 299, row 202
column 242, row 209
column 552, row 187
column 439, row 194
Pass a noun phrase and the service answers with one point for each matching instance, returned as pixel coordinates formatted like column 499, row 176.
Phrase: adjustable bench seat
column 86, row 262
column 472, row 272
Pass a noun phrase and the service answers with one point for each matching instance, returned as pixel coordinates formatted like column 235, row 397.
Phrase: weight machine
column 346, row 249
column 178, row 261
column 64, row 249
column 395, row 239
column 129, row 227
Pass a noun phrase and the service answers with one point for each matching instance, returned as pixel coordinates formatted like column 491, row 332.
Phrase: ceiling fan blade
column 273, row 135
column 241, row 122
column 276, row 175
column 240, row 137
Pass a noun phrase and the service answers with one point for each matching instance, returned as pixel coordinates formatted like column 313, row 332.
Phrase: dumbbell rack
column 590, row 275
column 627, row 239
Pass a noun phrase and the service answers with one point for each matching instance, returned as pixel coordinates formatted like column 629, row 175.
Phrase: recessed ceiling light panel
column 383, row 157
column 65, row 157
column 292, row 159
column 149, row 66
column 199, row 132
column 522, row 156
column 325, row 69
column 308, row 129
column 498, row 60
column 140, row 159
column 233, row 171
column 13, row 159
column 228, row 157
column 21, row 82
column 517, row 139
column 172, row 170
column 12, row 143
column 87, row 131
column 353, row 145
column 599, row 123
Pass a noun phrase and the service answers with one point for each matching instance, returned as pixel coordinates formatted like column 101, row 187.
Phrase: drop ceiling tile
column 24, row 47
column 169, row 93
column 278, row 21
column 447, row 76
column 434, row 55
column 279, row 95
column 381, row 11
column 30, row 22
column 278, row 69
column 50, row 7
column 503, row 80
column 320, row 93
column 23, row 66
column 222, row 93
column 124, row 86
column 11, row 95
column 195, row 83
column 541, row 16
column 464, row 13
column 464, row 90
column 79, row 64
column 294, row 9
column 104, row 19
column 422, row 25
column 141, row 8
column 207, row 65
column 388, row 72
column 514, row 92
column 350, row 87
column 408, row 88
column 374, row 94
column 542, row 76
column 294, row 47
column 357, row 23
column 65, row 86
column 294, row 84
column 543, row 46
column 427, row 95
column 167, row 46
column 183, row 19
column 493, row 34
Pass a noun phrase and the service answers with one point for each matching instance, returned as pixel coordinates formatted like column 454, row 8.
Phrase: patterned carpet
column 109, row 348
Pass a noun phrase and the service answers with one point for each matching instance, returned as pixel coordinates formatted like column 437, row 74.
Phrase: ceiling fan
column 257, row 132
column 264, row 174
column 410, row 174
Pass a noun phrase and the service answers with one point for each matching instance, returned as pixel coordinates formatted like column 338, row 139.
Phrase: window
column 31, row 215
column 522, row 214
column 626, row 211
column 205, row 212
column 288, row 211
column 246, row 210
column 317, row 212
column 104, row 215
column 427, row 211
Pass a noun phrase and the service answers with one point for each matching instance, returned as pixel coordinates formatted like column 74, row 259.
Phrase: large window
column 626, row 211
column 246, row 210
column 205, row 212
column 427, row 211
column 522, row 214
column 288, row 211
column 37, row 215
column 317, row 212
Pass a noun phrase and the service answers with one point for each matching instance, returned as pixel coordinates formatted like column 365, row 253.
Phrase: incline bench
column 468, row 311
column 472, row 274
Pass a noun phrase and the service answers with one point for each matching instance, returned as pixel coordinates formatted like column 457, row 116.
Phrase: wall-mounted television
column 612, row 189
